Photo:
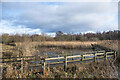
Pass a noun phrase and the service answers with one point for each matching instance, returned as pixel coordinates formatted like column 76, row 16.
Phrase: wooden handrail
column 95, row 54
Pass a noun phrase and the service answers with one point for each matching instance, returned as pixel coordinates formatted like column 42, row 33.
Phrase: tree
column 5, row 39
column 58, row 35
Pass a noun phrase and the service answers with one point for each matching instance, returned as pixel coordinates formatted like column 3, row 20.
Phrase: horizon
column 54, row 34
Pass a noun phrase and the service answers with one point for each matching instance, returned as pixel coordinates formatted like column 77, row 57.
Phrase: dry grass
column 64, row 44
column 102, row 69
column 28, row 48
column 6, row 48
column 111, row 44
column 69, row 43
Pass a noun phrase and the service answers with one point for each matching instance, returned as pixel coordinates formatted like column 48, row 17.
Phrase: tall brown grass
column 64, row 44
column 27, row 48
column 22, row 49
column 111, row 44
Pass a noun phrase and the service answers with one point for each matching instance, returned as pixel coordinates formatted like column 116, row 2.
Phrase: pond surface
column 47, row 52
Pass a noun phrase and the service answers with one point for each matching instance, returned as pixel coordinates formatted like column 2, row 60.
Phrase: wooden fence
column 63, row 59
column 93, row 56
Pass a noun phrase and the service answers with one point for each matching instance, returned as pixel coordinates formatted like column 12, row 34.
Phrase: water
column 49, row 54
column 58, row 51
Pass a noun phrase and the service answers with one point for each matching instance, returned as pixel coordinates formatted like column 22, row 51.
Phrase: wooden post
column 82, row 58
column 22, row 67
column 94, row 57
column 65, row 63
column 105, row 55
column 72, row 58
column 44, row 64
column 114, row 55
column 58, row 59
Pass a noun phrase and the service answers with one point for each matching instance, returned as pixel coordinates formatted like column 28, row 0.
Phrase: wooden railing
column 64, row 59
column 83, row 56
column 93, row 56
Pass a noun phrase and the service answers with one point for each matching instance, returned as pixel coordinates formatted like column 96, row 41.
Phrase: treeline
column 110, row 35
column 60, row 36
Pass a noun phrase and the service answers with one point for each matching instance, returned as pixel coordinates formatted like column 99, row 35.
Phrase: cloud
column 60, row 1
column 67, row 17
column 6, row 27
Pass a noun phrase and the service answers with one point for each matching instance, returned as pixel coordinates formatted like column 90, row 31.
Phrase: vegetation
column 29, row 45
column 102, row 69
column 60, row 36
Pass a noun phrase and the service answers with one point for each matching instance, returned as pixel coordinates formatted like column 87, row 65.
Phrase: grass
column 6, row 48
column 28, row 48
column 91, row 70
column 111, row 44
column 98, row 70
column 63, row 44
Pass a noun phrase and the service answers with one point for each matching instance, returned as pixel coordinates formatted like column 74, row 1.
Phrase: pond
column 48, row 52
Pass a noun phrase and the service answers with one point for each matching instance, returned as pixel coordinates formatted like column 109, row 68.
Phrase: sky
column 50, row 17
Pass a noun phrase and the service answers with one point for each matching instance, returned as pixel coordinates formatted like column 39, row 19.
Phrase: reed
column 63, row 44
column 111, row 44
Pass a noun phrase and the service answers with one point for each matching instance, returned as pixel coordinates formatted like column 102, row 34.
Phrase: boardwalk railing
column 93, row 56
column 60, row 58
column 63, row 59
column 81, row 58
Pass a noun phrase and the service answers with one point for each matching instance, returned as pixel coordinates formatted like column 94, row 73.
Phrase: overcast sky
column 49, row 17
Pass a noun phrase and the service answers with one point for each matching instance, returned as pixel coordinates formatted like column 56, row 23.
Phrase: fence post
column 44, row 64
column 105, row 55
column 82, row 58
column 22, row 67
column 94, row 57
column 72, row 58
column 114, row 55
column 65, row 63
column 58, row 59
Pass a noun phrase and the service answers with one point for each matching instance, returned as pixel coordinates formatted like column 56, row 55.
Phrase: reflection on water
column 59, row 51
column 48, row 53
column 74, row 52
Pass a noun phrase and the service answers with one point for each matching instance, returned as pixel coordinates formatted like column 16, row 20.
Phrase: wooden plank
column 56, row 62
column 22, row 57
column 110, row 55
column 99, row 54
column 5, row 60
column 14, row 61
column 54, row 58
column 110, row 52
column 100, row 57
column 88, row 55
column 74, row 56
